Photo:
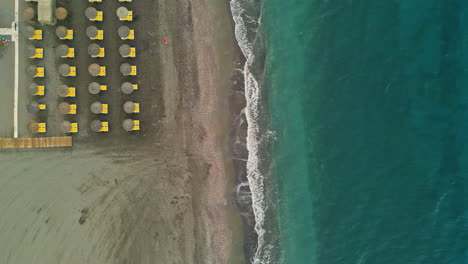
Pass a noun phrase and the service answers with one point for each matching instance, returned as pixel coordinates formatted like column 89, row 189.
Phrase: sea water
column 364, row 104
column 368, row 102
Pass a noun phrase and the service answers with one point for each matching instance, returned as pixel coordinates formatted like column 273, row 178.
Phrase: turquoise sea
column 364, row 103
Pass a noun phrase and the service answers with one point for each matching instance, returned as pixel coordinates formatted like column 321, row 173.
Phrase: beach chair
column 135, row 87
column 105, row 109
column 74, row 128
column 134, row 70
column 102, row 71
column 105, row 127
column 71, row 53
column 137, row 108
column 71, row 92
column 72, row 72
column 69, row 35
column 125, row 1
column 39, row 72
column 72, row 109
column 42, row 107
column 41, row 128
column 131, row 35
column 37, row 35
column 95, row 1
column 99, row 16
column 136, row 125
column 40, row 90
column 99, row 36
column 39, row 54
column 103, row 87
column 129, row 16
column 101, row 54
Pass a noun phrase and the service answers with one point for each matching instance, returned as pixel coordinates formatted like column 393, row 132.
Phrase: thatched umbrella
column 29, row 31
column 129, row 107
column 96, row 108
column 96, row 125
column 63, row 108
column 30, row 50
column 32, row 89
column 94, row 69
column 94, row 88
column 94, row 49
column 64, row 69
column 91, row 31
column 65, row 126
column 125, row 69
column 31, row 71
column 33, row 107
column 127, row 88
column 123, row 31
column 33, row 126
column 62, row 90
column 128, row 125
column 61, row 13
column 91, row 13
column 28, row 13
column 61, row 32
column 122, row 12
column 62, row 50
column 124, row 50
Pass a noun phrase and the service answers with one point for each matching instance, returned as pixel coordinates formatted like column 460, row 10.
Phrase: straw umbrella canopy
column 31, row 50
column 125, row 69
column 33, row 107
column 33, row 126
column 29, row 31
column 123, row 31
column 28, row 13
column 127, row 88
column 91, row 31
column 127, row 125
column 61, row 13
column 61, row 31
column 94, row 49
column 96, row 125
column 124, row 50
column 64, row 69
column 62, row 50
column 32, row 89
column 62, row 90
column 65, row 126
column 31, row 70
column 91, row 13
column 63, row 108
column 129, row 107
column 96, row 108
column 94, row 88
column 94, row 69
column 122, row 12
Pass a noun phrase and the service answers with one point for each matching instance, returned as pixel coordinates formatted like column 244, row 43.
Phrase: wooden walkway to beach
column 40, row 142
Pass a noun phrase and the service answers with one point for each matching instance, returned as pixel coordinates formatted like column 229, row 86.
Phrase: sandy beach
column 161, row 195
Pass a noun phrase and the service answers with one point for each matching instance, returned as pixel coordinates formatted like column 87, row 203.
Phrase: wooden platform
column 40, row 142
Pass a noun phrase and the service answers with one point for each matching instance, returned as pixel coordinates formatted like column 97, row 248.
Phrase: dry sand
column 162, row 195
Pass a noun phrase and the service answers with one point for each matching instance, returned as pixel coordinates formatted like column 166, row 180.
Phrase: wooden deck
column 40, row 142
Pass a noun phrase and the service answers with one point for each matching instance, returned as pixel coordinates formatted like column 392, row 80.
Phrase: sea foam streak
column 246, row 15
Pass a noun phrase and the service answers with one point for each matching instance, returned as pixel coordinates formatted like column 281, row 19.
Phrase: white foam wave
column 255, row 138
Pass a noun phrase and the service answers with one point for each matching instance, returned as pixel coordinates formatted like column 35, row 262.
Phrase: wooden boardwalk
column 40, row 142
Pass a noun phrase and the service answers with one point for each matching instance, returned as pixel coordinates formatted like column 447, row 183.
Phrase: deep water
column 368, row 100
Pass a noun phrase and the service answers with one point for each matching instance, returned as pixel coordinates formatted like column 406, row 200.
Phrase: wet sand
column 160, row 195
